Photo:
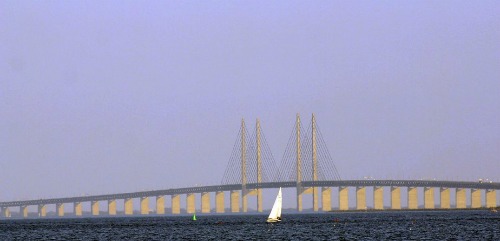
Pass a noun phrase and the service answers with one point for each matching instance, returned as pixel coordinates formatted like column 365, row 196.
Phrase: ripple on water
column 456, row 225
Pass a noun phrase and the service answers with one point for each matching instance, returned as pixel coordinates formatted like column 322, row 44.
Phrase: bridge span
column 339, row 187
column 307, row 167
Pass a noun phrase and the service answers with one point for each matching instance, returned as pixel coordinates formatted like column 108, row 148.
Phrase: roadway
column 218, row 188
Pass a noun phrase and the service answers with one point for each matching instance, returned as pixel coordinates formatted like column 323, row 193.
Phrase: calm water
column 457, row 225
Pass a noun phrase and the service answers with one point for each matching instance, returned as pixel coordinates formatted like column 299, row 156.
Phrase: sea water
column 402, row 225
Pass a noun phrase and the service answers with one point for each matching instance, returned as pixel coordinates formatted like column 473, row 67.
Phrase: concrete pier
column 244, row 200
column 259, row 200
column 219, row 202
column 176, row 204
column 128, row 206
column 412, row 198
column 112, row 207
column 77, row 209
column 326, row 199
column 444, row 198
column 475, row 196
column 343, row 198
column 378, row 198
column 429, row 198
column 307, row 190
column 160, row 205
column 60, row 209
column 94, row 206
column 205, row 202
column 361, row 198
column 315, row 191
column 23, row 210
column 6, row 212
column 491, row 198
column 460, row 198
column 144, row 205
column 395, row 198
column 300, row 191
column 235, row 201
column 42, row 210
column 190, row 203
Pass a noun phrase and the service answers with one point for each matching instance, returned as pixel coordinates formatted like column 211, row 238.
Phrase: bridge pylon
column 259, row 166
column 244, row 191
column 314, row 165
column 298, row 164
column 306, row 160
column 251, row 162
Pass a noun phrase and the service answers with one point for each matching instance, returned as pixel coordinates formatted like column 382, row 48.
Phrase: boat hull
column 273, row 220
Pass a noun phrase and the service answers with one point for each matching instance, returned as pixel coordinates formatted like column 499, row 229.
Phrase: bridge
column 249, row 171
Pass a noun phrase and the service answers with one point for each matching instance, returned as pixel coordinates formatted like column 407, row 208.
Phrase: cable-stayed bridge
column 306, row 166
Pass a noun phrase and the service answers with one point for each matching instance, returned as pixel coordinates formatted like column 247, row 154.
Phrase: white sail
column 275, row 215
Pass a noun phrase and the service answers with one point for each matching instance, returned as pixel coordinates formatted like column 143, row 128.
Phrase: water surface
column 442, row 225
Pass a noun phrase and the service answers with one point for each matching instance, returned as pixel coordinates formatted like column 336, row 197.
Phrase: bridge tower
column 299, row 164
column 251, row 163
column 258, row 158
column 259, row 166
column 314, row 164
column 306, row 161
column 243, row 168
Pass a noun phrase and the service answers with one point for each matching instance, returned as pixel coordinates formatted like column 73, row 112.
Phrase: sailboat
column 275, row 215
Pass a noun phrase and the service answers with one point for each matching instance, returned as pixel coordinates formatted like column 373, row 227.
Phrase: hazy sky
column 118, row 96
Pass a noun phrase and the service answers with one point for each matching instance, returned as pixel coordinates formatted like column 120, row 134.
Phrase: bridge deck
column 215, row 188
